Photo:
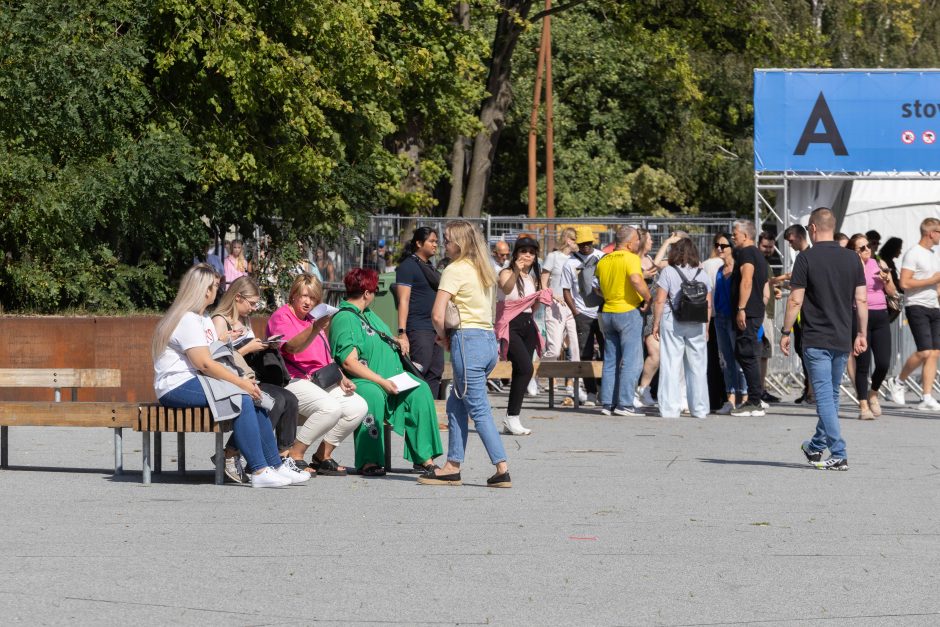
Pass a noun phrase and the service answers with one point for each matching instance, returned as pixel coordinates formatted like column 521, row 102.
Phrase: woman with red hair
column 364, row 346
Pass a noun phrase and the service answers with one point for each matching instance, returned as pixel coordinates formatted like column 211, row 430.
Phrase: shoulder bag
column 406, row 362
column 329, row 376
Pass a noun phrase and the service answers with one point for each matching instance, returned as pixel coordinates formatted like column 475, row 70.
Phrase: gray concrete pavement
column 611, row 521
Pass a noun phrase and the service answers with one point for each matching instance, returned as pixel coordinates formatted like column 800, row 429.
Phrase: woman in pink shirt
column 332, row 413
column 236, row 265
column 877, row 282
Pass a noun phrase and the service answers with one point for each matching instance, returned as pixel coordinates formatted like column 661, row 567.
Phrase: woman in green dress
column 356, row 342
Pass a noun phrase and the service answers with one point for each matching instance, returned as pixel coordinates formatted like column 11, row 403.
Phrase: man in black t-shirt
column 416, row 282
column 748, row 283
column 826, row 281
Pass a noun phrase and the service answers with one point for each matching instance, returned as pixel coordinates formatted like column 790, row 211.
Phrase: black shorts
column 925, row 326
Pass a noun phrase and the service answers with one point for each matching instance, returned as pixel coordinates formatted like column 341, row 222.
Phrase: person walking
column 579, row 296
column 825, row 282
column 416, row 282
column 748, row 283
column 682, row 342
column 559, row 321
column 620, row 280
column 468, row 281
column 724, row 315
column 877, row 284
column 920, row 278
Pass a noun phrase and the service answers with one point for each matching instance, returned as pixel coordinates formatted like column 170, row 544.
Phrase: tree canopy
column 128, row 130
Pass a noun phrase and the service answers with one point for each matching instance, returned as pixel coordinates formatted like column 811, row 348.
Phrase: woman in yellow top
column 470, row 282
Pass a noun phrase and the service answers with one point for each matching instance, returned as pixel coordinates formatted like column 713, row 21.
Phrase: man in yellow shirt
column 620, row 281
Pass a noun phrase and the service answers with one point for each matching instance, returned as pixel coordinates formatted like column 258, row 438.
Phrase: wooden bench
column 114, row 415
column 550, row 370
column 156, row 419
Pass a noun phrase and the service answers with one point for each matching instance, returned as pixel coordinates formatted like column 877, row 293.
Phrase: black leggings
column 523, row 340
column 879, row 345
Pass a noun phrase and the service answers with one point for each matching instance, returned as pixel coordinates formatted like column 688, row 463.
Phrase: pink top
column 875, row 286
column 509, row 309
column 231, row 270
column 317, row 354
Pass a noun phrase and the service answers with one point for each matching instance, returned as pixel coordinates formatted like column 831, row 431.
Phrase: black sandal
column 429, row 467
column 328, row 467
column 372, row 470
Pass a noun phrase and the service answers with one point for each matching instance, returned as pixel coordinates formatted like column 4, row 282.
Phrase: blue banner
column 846, row 121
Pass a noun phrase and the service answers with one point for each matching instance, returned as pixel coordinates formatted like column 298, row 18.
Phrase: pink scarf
column 506, row 311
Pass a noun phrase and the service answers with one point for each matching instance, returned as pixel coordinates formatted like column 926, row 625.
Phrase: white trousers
column 559, row 324
column 329, row 415
column 682, row 344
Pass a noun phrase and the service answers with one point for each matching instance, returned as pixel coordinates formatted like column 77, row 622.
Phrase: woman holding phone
column 180, row 351
column 327, row 398
column 232, row 324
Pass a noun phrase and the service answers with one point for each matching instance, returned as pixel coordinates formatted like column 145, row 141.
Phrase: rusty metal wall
column 84, row 342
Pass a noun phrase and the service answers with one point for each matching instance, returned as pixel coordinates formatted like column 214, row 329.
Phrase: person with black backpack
column 681, row 314
column 577, row 282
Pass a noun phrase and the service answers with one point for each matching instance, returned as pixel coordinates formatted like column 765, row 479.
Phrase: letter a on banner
column 830, row 134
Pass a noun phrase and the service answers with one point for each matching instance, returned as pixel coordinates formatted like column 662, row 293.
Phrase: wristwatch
column 785, row 332
column 401, row 331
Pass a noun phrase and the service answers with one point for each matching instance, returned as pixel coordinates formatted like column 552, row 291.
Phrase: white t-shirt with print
column 569, row 281
column 924, row 263
column 173, row 368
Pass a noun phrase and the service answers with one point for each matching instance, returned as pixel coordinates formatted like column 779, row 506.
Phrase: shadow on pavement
column 753, row 462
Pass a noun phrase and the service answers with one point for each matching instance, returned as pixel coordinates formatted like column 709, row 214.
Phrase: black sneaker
column 748, row 409
column 833, row 463
column 811, row 455
column 767, row 397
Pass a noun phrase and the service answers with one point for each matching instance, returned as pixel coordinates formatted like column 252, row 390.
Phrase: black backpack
column 692, row 305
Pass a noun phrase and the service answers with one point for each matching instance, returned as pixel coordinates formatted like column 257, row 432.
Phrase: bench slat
column 60, row 377
column 570, row 369
column 78, row 414
column 155, row 418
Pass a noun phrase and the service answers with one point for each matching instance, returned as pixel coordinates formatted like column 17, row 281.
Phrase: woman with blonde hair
column 470, row 282
column 236, row 266
column 232, row 324
column 180, row 351
column 331, row 408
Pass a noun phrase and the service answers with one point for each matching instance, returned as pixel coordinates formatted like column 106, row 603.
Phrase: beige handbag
column 451, row 316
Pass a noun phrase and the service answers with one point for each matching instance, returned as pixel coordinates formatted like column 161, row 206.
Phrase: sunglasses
column 862, row 247
column 722, row 246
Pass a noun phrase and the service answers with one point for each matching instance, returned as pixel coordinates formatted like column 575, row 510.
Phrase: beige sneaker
column 866, row 414
column 874, row 405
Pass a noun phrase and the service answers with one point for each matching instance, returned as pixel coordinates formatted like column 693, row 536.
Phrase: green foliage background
column 126, row 127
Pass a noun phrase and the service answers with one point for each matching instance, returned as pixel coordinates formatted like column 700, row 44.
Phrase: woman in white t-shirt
column 470, row 282
column 180, row 350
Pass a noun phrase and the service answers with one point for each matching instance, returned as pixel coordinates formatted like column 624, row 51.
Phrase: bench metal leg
column 145, row 464
column 388, row 447
column 551, row 393
column 181, row 452
column 4, row 447
column 219, row 460
column 157, row 452
column 118, row 451
column 577, row 393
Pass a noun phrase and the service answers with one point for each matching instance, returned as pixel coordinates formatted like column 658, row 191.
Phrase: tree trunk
column 459, row 154
column 509, row 27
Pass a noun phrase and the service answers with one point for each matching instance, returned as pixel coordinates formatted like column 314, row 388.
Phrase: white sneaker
column 896, row 390
column 642, row 398
column 627, row 411
column 725, row 409
column 533, row 388
column 928, row 404
column 288, row 469
column 764, row 405
column 606, row 412
column 512, row 426
column 269, row 478
column 582, row 396
column 590, row 400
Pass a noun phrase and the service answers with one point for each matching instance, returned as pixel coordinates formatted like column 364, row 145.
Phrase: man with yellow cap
column 578, row 283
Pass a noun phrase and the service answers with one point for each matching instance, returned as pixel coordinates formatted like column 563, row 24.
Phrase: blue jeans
column 473, row 355
column 733, row 375
column 682, row 343
column 623, row 357
column 251, row 429
column 825, row 368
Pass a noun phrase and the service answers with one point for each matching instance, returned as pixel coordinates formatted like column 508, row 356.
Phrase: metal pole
column 219, row 459
column 145, row 448
column 533, row 127
column 118, row 451
column 181, row 452
column 549, row 120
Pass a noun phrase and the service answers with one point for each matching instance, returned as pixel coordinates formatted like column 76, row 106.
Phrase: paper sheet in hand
column 403, row 382
column 322, row 311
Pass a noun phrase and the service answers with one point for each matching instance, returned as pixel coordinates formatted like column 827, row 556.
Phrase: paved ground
column 611, row 521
